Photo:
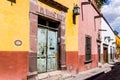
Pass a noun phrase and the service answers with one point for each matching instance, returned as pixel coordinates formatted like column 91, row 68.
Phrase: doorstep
column 54, row 75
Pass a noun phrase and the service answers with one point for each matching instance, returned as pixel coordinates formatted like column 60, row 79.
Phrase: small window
column 48, row 22
column 52, row 24
column 42, row 21
column 88, row 48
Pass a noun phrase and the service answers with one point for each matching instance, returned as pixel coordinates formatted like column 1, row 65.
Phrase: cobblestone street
column 114, row 74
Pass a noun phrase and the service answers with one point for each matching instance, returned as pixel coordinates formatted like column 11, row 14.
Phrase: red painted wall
column 83, row 66
column 14, row 65
column 72, row 61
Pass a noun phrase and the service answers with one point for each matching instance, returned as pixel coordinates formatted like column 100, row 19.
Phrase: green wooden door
column 41, row 50
column 52, row 51
column 46, row 50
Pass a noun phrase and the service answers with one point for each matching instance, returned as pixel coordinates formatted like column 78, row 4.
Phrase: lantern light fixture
column 76, row 10
column 107, row 37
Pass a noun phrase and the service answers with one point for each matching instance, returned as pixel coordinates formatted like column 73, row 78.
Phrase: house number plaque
column 18, row 42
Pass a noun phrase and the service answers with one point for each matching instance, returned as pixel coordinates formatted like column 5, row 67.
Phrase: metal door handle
column 41, row 57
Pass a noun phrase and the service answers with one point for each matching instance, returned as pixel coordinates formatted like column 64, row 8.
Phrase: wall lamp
column 76, row 11
column 110, row 40
column 107, row 37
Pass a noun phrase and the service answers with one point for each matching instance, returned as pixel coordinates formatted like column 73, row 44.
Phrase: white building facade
column 108, row 46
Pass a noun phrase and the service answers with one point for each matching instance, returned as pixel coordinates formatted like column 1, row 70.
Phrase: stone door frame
column 35, row 11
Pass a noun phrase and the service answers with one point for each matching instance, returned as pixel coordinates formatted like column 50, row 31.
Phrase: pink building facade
column 89, row 36
column 88, row 55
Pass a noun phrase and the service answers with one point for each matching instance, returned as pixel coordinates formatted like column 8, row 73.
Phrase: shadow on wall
column 12, row 1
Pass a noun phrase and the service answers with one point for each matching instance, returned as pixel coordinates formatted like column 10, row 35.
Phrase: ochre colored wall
column 71, row 29
column 14, row 25
column 118, row 44
column 48, row 7
column 71, row 36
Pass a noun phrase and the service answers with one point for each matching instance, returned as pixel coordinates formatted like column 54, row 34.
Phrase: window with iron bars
column 88, row 48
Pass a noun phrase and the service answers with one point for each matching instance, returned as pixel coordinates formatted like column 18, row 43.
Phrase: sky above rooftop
column 111, row 11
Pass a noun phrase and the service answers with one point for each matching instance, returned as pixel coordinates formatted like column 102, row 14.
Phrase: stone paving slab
column 55, row 75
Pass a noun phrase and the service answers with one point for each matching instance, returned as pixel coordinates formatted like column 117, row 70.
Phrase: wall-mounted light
column 110, row 40
column 107, row 37
column 18, row 42
column 76, row 10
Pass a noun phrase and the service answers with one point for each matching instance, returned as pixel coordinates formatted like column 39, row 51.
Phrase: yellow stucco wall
column 48, row 7
column 71, row 29
column 118, row 44
column 14, row 25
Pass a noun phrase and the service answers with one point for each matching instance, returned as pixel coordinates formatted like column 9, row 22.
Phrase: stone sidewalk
column 61, row 75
